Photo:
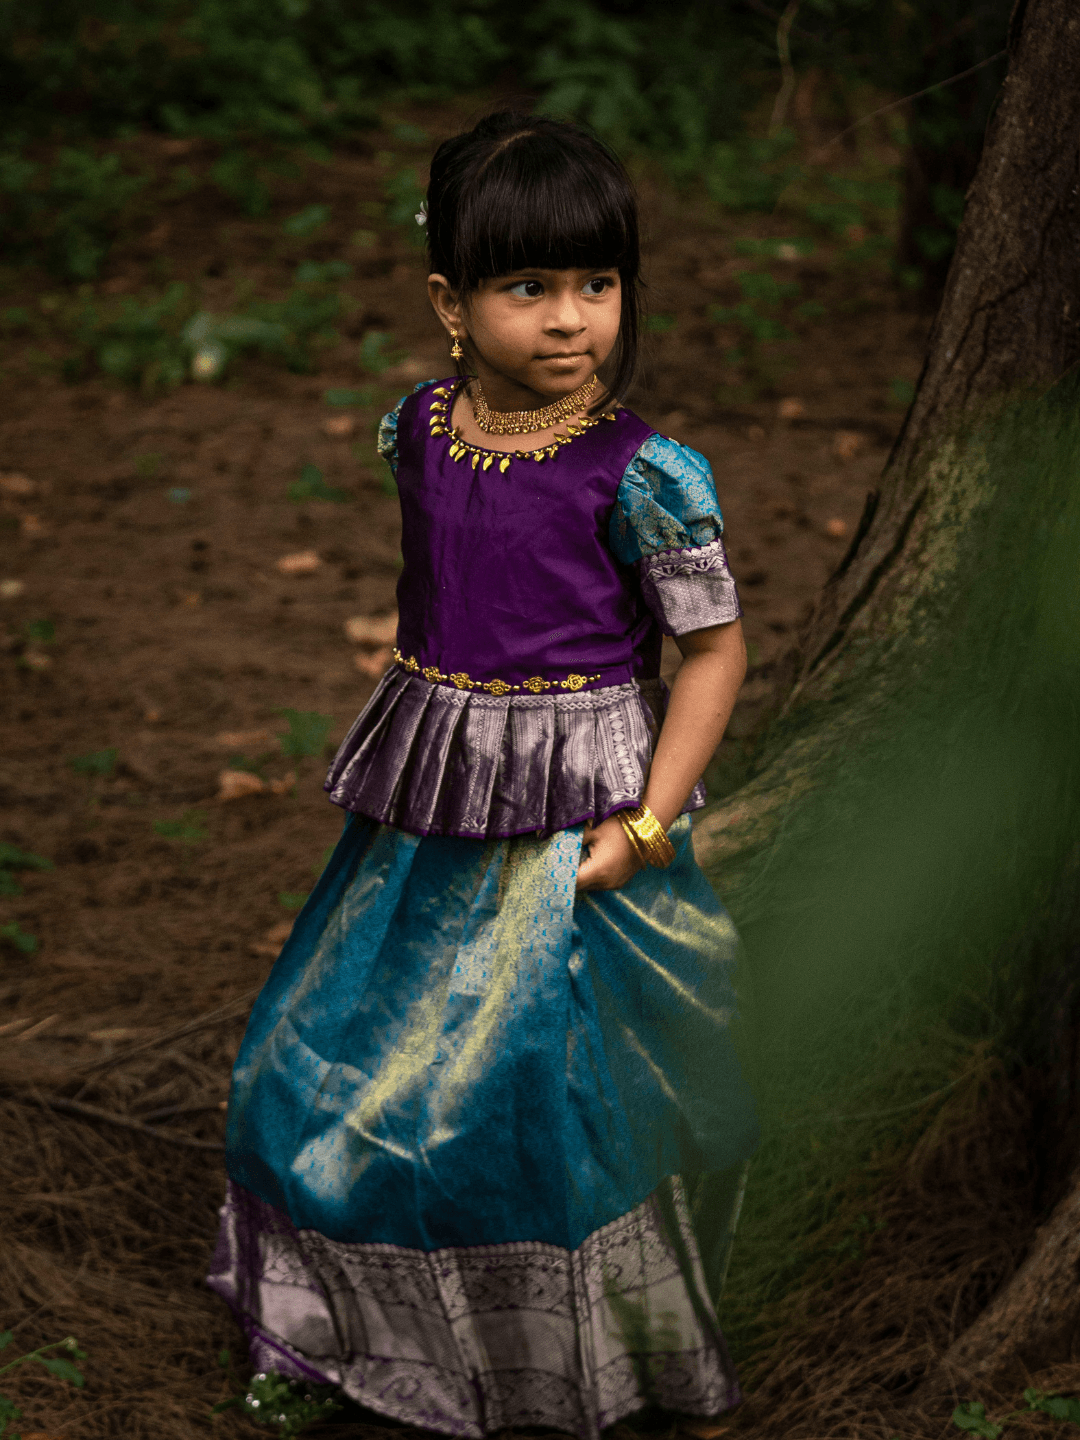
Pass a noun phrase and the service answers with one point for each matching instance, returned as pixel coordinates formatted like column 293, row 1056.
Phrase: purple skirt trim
column 434, row 761
column 487, row 1338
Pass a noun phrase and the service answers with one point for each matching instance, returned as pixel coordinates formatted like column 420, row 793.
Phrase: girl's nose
column 566, row 317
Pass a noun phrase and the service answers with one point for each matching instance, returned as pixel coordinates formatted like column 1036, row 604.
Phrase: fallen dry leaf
column 374, row 663
column 791, row 409
column 836, row 527
column 846, row 444
column 11, row 589
column 372, row 629
column 153, row 716
column 244, row 739
column 273, row 940
column 339, row 425
column 237, row 784
column 32, row 527
column 36, row 660
column 189, row 599
column 20, row 487
column 282, row 787
column 755, row 432
column 303, row 562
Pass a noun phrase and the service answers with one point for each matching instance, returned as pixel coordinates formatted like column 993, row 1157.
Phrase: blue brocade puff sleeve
column 386, row 444
column 667, row 522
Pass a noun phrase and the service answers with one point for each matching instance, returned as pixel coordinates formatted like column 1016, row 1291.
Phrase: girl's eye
column 527, row 289
column 598, row 285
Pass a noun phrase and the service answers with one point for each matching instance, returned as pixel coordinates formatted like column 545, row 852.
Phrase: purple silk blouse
column 525, row 697
column 508, row 575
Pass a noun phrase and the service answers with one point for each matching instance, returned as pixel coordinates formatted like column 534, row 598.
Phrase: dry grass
column 108, row 1234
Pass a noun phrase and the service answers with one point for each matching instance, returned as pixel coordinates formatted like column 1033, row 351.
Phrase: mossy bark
column 1009, row 324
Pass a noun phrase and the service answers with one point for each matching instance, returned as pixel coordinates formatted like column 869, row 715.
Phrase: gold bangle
column 632, row 836
column 648, row 836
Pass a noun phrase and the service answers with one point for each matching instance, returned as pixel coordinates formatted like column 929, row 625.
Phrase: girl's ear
column 445, row 303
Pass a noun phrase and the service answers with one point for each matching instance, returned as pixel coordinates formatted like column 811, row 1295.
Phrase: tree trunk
column 1030, row 1324
column 1009, row 318
column 1009, row 322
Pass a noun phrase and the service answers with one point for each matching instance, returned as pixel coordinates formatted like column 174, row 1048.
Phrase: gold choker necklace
column 528, row 422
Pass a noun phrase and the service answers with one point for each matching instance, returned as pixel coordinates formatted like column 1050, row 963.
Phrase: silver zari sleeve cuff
column 690, row 589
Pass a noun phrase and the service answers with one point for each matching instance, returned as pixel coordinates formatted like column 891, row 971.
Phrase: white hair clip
column 421, row 215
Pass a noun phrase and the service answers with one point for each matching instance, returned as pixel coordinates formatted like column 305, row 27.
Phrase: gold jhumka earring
column 456, row 351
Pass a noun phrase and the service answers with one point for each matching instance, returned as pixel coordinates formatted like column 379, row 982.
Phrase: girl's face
column 538, row 331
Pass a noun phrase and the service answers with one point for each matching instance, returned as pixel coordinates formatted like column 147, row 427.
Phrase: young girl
column 486, row 1124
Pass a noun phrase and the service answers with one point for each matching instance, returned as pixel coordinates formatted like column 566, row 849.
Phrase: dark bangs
column 525, row 192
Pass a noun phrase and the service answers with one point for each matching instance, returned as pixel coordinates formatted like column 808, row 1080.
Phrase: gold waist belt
column 535, row 683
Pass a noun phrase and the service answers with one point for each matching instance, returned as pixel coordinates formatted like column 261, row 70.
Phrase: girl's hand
column 608, row 860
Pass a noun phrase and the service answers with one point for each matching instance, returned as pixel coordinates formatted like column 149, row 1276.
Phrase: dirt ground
column 150, row 533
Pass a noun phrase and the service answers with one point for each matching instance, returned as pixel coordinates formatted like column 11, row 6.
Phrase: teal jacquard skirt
column 484, row 1135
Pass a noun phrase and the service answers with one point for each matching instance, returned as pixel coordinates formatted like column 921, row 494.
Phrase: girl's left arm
column 702, row 698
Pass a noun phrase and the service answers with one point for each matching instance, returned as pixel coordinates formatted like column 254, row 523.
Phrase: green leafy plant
column 236, row 174
column 99, row 764
column 291, row 899
column 306, row 222
column 137, row 343
column 66, row 212
column 288, row 1406
column 970, row 1416
column 312, row 486
column 61, row 1367
column 14, row 859
column 748, row 173
column 343, row 398
column 376, row 354
column 282, row 330
column 306, row 735
column 19, row 939
column 189, row 830
column 404, row 198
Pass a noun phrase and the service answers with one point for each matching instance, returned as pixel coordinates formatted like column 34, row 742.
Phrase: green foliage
column 288, row 1406
column 748, row 173
column 764, row 316
column 341, row 398
column 306, row 222
column 65, row 213
column 376, row 354
column 970, row 1415
column 404, row 197
column 236, row 174
column 291, row 899
column 100, row 763
column 40, row 632
column 312, row 486
column 307, row 732
column 903, row 927
column 190, row 829
column 18, row 938
column 62, row 1367
column 135, row 343
column 13, row 859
